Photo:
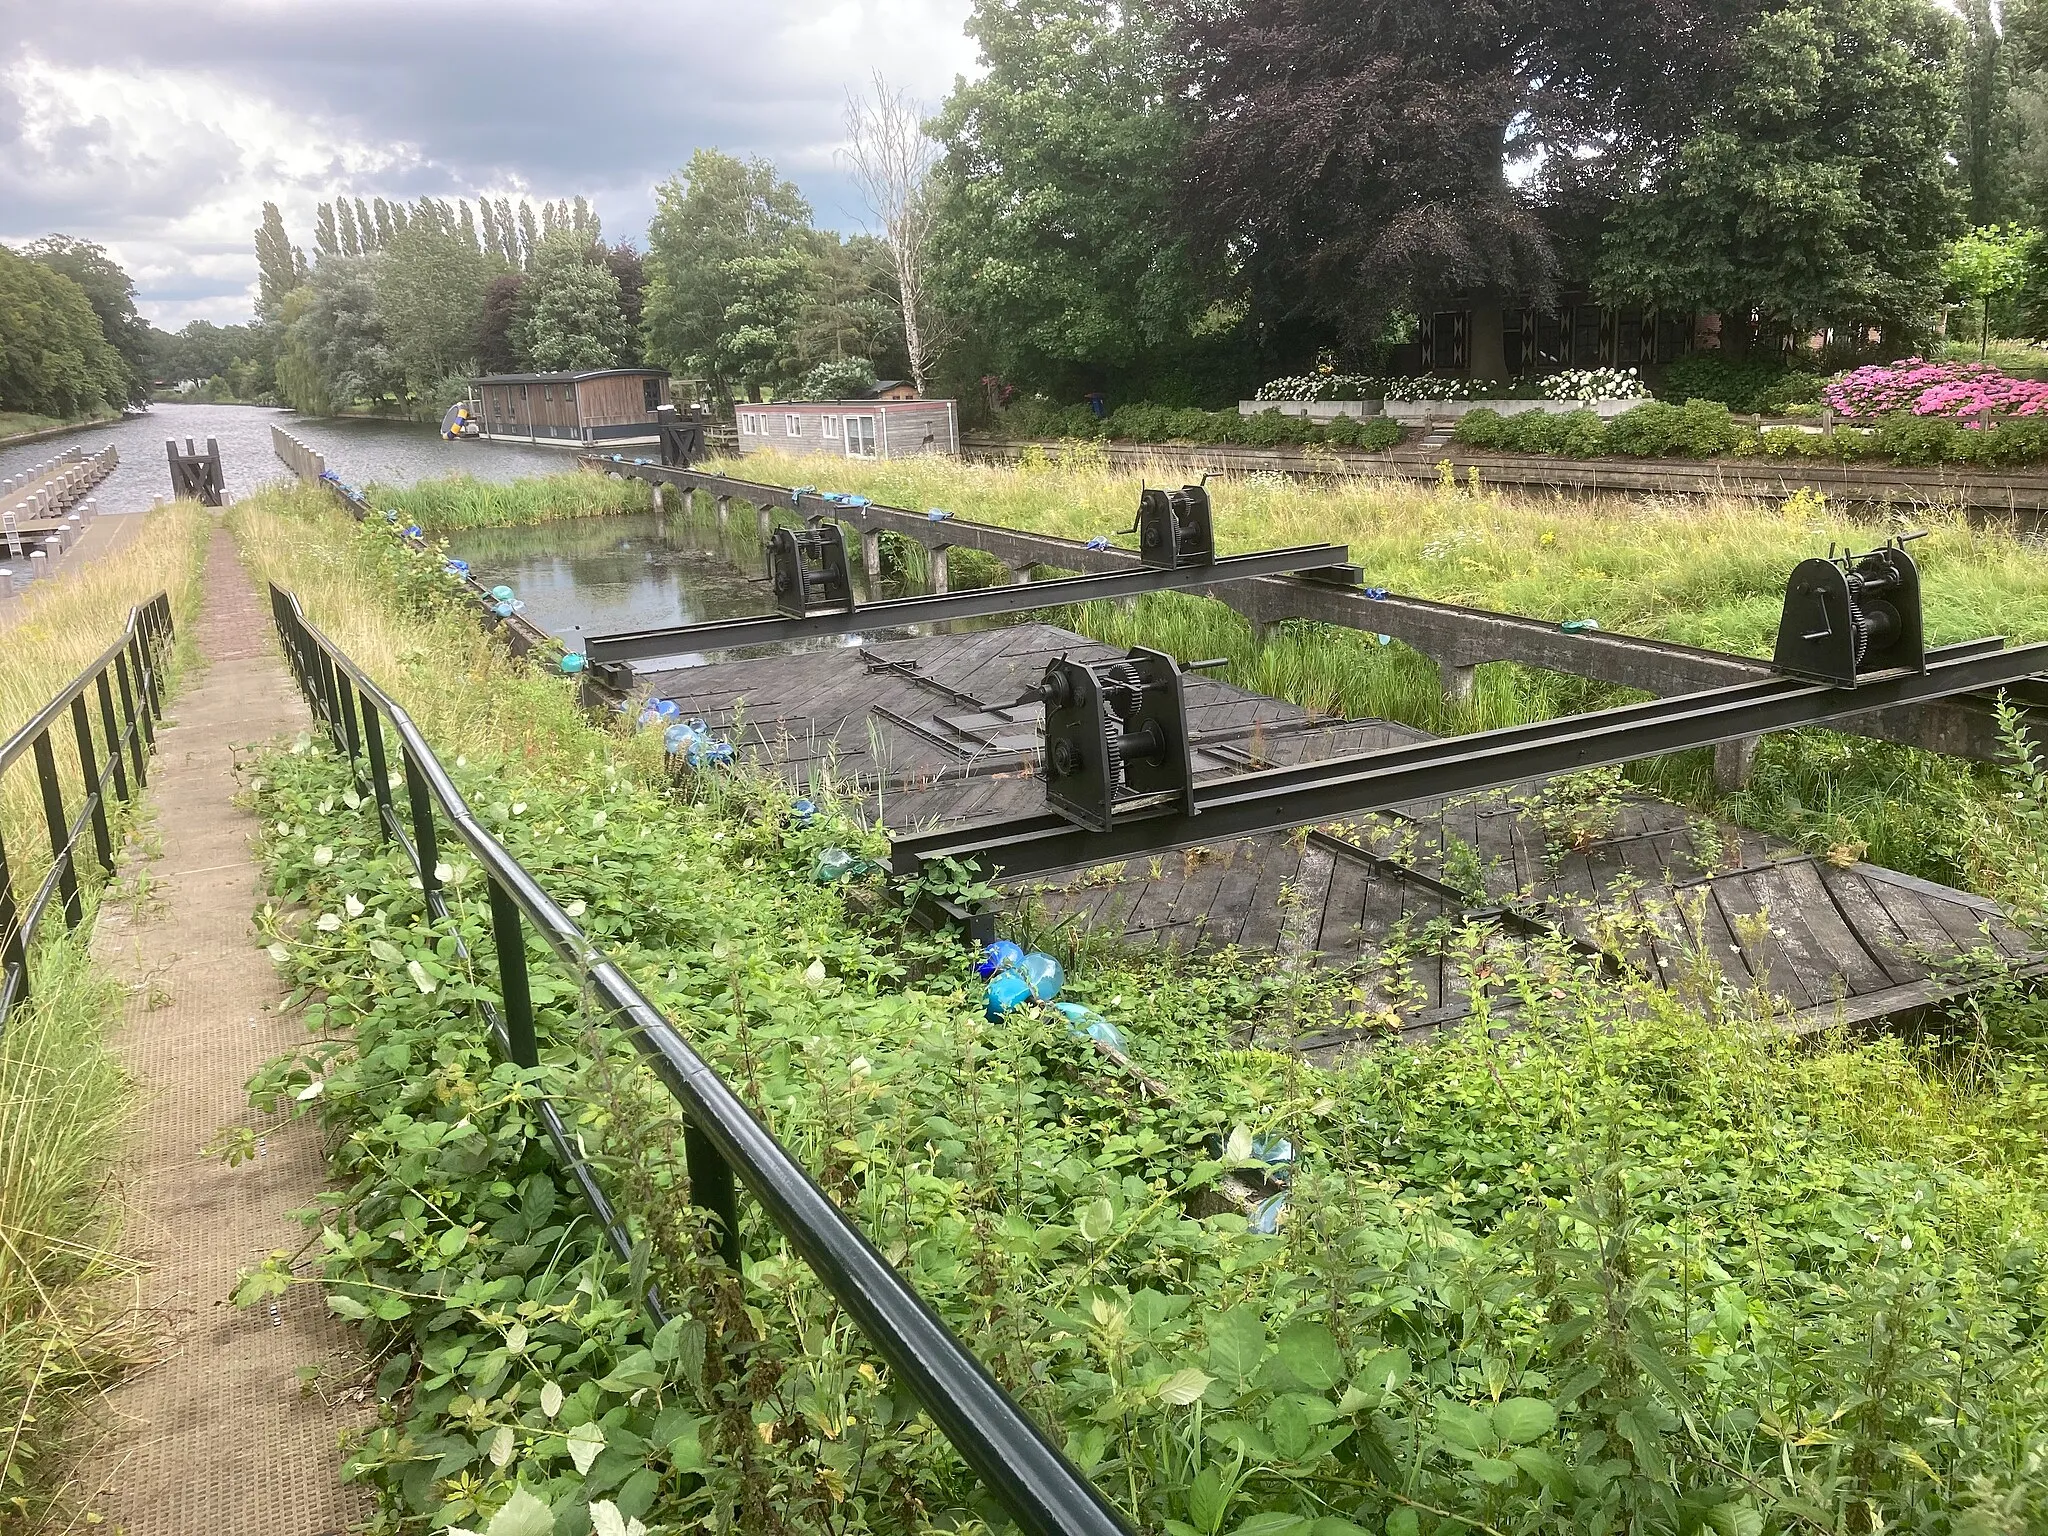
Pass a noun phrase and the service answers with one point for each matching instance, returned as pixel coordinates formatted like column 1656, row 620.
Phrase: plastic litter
column 1277, row 1153
column 802, row 812
column 1007, row 993
column 501, row 594
column 656, row 711
column 1100, row 541
column 1384, row 639
column 1045, row 975
column 837, row 864
column 413, row 531
column 1002, row 955
column 1265, row 1217
column 572, row 663
column 938, row 515
column 390, row 515
column 1377, row 594
column 1087, row 1024
column 1579, row 626
column 506, row 610
column 456, row 567
column 798, row 493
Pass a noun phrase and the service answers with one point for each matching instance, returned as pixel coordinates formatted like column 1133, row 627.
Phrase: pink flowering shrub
column 1956, row 391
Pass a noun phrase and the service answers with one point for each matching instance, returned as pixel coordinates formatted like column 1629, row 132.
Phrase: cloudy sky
column 159, row 127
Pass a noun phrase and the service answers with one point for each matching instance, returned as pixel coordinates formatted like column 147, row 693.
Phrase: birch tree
column 891, row 160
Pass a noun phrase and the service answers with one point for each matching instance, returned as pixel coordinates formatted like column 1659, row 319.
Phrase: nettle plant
column 1600, row 1264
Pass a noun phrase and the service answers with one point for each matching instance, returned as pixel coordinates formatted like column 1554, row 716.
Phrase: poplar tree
column 344, row 216
column 529, row 233
column 280, row 266
column 384, row 229
column 365, row 229
column 325, row 239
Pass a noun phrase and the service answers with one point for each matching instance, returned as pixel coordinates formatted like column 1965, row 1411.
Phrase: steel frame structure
column 607, row 654
column 1308, row 794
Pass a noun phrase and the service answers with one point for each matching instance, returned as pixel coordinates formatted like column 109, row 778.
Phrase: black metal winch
column 808, row 569
column 1116, row 740
column 1174, row 528
column 1850, row 617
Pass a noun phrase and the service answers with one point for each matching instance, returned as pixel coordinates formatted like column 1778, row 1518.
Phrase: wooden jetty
column 932, row 731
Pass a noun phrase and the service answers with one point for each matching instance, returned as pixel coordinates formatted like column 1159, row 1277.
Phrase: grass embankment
column 1702, row 571
column 66, row 1328
column 462, row 501
column 1653, row 1269
column 22, row 423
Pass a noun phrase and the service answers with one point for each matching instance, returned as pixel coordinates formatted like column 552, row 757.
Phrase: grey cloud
column 604, row 98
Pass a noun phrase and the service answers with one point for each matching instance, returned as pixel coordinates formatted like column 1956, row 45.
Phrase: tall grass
column 462, row 501
column 50, row 634
column 64, row 1331
column 66, row 1326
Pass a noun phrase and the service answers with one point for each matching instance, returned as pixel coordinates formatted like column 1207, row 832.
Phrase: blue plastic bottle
column 999, row 956
column 1087, row 1024
column 1009, row 991
column 1265, row 1217
column 802, row 813
column 572, row 663
column 834, row 864
column 1044, row 974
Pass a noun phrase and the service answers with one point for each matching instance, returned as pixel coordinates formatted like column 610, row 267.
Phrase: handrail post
column 380, row 770
column 13, row 951
column 346, row 696
column 509, row 936
column 131, row 733
column 53, row 812
column 711, row 1190
column 113, row 735
column 426, row 849
column 88, row 764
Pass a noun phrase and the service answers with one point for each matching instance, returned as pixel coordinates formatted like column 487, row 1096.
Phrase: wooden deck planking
column 941, row 714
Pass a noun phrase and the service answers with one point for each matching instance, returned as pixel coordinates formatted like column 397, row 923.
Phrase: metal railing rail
column 126, row 739
column 1035, row 1482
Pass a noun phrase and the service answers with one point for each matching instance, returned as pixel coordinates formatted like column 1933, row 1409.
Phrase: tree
column 341, row 335
column 54, row 358
column 569, row 315
column 430, row 297
column 623, row 261
column 111, row 292
column 843, row 378
column 280, row 265
column 385, row 232
column 345, row 222
column 495, row 351
column 1989, row 263
column 852, row 309
column 1818, row 191
column 529, row 233
column 1352, row 161
column 300, row 383
column 892, row 162
column 727, row 262
column 1986, row 134
column 366, row 231
column 326, row 236
column 508, row 235
column 1053, row 227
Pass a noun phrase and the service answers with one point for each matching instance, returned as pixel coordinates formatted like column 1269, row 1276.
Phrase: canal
column 393, row 452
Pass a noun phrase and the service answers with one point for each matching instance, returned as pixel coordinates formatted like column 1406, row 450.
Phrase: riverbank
column 17, row 429
column 1748, row 1207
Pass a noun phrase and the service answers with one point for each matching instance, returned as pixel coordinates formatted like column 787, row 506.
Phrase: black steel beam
column 982, row 602
column 1310, row 793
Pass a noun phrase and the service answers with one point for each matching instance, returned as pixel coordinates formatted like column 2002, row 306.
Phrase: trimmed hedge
column 1705, row 429
column 1185, row 424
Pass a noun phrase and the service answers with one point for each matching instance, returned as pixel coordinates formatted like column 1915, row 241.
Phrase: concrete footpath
column 219, row 1436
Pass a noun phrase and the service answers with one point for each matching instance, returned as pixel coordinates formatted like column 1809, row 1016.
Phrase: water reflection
column 594, row 575
column 392, row 452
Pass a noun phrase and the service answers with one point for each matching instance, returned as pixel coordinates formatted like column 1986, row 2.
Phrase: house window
column 793, row 425
column 831, row 429
column 650, row 393
column 746, row 423
column 860, row 437
column 547, row 393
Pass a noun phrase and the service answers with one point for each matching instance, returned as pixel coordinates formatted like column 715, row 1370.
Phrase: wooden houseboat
column 572, row 410
column 851, row 429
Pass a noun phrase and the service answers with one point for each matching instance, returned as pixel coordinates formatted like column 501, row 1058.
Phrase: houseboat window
column 650, row 393
column 832, row 428
column 860, row 436
column 793, row 425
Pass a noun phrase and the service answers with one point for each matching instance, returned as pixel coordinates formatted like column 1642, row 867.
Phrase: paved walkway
column 217, row 1438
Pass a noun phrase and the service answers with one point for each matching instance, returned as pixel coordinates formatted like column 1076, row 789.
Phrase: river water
column 393, row 452
column 585, row 576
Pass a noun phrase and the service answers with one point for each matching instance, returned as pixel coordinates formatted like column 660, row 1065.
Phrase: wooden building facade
column 852, row 429
column 604, row 405
column 1489, row 342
